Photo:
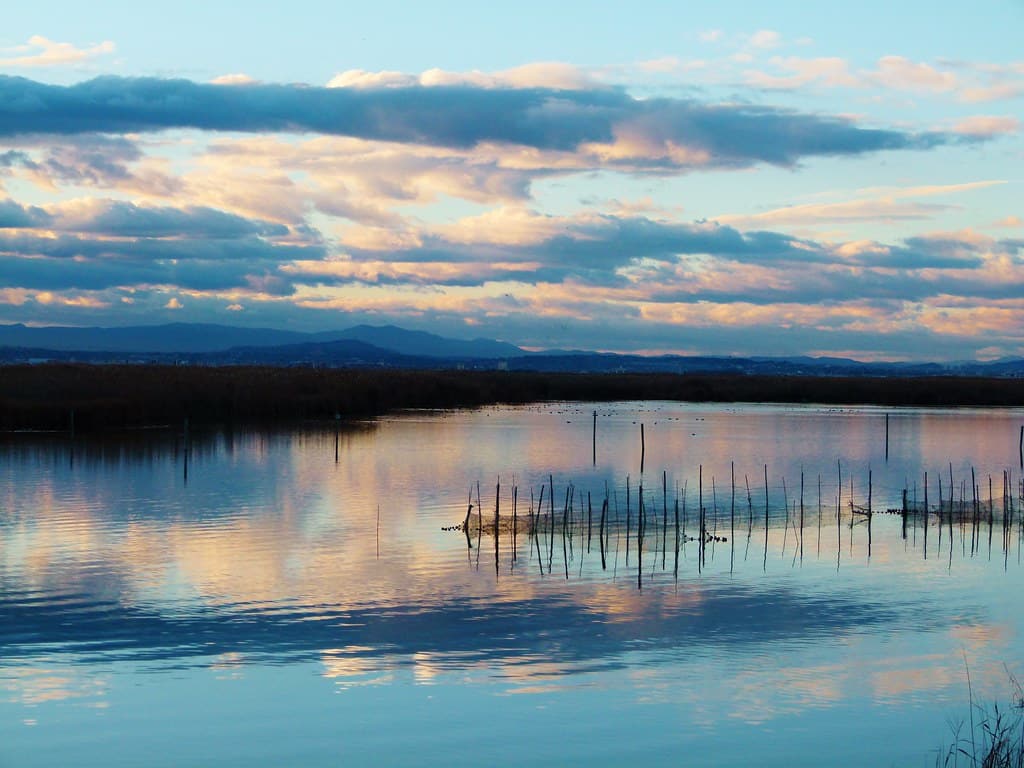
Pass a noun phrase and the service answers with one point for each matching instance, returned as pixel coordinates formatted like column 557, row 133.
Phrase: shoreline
column 98, row 398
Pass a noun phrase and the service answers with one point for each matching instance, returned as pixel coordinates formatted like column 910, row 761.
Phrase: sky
column 711, row 178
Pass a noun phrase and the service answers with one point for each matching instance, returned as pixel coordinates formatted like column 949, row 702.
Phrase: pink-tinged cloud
column 827, row 71
column 900, row 73
column 43, row 52
column 988, row 125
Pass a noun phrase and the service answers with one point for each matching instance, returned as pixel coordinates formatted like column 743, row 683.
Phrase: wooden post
column 641, row 448
column 887, row 437
column 700, row 514
column 732, row 503
column 185, row 448
column 801, row 514
column 595, row 439
column 926, row 515
column 664, row 515
column 1021, row 445
column 675, row 567
column 590, row 520
column 869, row 514
column 732, row 515
column 515, row 521
column 869, row 493
column 765, row 565
column 604, row 511
column 819, row 514
column 640, row 533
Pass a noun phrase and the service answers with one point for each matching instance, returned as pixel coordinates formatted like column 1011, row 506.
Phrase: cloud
column 41, row 52
column 827, row 71
column 876, row 204
column 992, row 82
column 236, row 78
column 87, row 160
column 15, row 216
column 985, row 126
column 649, row 285
column 930, row 190
column 114, row 218
column 155, row 249
column 900, row 73
column 551, row 75
column 850, row 210
column 765, row 39
column 90, row 244
column 173, row 303
column 608, row 124
column 1003, row 91
column 967, row 82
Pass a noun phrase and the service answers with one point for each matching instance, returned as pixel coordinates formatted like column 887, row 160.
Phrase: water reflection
column 324, row 548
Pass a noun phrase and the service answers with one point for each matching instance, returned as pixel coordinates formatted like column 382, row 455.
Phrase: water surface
column 291, row 597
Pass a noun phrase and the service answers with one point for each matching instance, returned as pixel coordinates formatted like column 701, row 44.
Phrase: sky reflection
column 117, row 570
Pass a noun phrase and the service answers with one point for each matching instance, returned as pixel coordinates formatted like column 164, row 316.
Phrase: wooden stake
column 642, row 448
column 664, row 517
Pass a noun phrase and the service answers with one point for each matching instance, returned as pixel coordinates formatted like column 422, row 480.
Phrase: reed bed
column 90, row 398
column 993, row 736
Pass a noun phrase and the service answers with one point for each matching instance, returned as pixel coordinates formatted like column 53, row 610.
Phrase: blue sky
column 730, row 178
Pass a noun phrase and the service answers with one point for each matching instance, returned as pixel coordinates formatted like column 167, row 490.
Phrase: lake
column 258, row 598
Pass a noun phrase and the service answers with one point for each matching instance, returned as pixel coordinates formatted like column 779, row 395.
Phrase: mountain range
column 392, row 346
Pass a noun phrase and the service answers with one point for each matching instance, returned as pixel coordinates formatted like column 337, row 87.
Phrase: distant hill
column 192, row 338
column 423, row 344
column 394, row 347
column 341, row 353
column 164, row 339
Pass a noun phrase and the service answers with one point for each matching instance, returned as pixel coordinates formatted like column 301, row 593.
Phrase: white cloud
column 766, row 39
column 237, row 78
column 43, row 52
column 543, row 74
column 361, row 78
column 173, row 304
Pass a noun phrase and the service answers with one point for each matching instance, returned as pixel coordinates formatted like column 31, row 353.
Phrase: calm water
column 291, row 598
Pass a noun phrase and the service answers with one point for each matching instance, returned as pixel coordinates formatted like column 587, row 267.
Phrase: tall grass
column 994, row 735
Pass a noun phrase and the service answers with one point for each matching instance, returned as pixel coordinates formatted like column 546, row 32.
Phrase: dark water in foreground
column 293, row 599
